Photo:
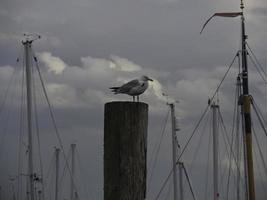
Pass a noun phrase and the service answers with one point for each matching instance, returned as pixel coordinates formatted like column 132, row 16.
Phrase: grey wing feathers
column 128, row 86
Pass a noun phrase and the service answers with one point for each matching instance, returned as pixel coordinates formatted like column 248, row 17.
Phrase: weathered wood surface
column 125, row 146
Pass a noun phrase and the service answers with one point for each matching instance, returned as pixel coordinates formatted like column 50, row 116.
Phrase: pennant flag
column 232, row 14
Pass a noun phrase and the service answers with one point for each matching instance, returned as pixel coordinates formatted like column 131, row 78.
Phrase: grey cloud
column 260, row 11
column 134, row 30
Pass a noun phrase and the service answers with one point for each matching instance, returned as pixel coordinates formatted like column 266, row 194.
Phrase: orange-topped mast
column 246, row 111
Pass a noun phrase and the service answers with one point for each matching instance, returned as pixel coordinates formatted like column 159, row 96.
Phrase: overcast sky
column 89, row 45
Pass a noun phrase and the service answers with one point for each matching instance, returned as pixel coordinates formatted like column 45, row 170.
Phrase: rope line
column 235, row 121
column 211, row 99
column 38, row 136
column 260, row 152
column 54, row 120
column 258, row 70
column 197, row 125
column 189, row 182
column 228, row 141
column 258, row 116
column 257, row 61
column 21, row 120
column 263, row 185
column 157, row 150
column 208, row 165
column 63, row 172
column 199, row 143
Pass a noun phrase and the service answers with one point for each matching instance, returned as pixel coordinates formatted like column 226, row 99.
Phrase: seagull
column 133, row 88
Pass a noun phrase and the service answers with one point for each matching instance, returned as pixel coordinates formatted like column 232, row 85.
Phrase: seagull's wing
column 128, row 86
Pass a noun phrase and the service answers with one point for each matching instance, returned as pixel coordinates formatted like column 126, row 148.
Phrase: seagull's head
column 146, row 78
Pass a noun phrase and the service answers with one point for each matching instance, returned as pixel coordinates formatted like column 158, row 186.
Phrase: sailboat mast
column 246, row 111
column 72, row 172
column 215, row 109
column 238, row 142
column 27, row 47
column 174, row 152
column 57, row 150
column 175, row 148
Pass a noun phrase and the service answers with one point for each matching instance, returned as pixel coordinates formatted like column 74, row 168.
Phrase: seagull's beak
column 149, row 79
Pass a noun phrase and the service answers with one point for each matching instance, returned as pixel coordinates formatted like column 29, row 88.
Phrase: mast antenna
column 30, row 37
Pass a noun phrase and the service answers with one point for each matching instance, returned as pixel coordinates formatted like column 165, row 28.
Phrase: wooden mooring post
column 125, row 146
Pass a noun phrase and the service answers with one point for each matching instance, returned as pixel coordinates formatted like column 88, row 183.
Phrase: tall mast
column 174, row 158
column 174, row 152
column 215, row 109
column 72, row 171
column 57, row 150
column 246, row 110
column 29, row 38
column 181, row 187
column 27, row 46
column 238, row 142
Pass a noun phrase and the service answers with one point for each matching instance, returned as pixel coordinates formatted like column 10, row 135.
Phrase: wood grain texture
column 125, row 147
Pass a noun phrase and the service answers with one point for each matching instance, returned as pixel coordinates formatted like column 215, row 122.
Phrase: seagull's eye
column 143, row 85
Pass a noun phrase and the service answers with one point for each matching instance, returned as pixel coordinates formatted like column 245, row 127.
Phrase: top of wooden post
column 125, row 103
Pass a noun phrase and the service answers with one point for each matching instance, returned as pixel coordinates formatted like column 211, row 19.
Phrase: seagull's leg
column 133, row 98
column 138, row 98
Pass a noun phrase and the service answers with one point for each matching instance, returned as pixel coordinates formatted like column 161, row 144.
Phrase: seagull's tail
column 115, row 90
